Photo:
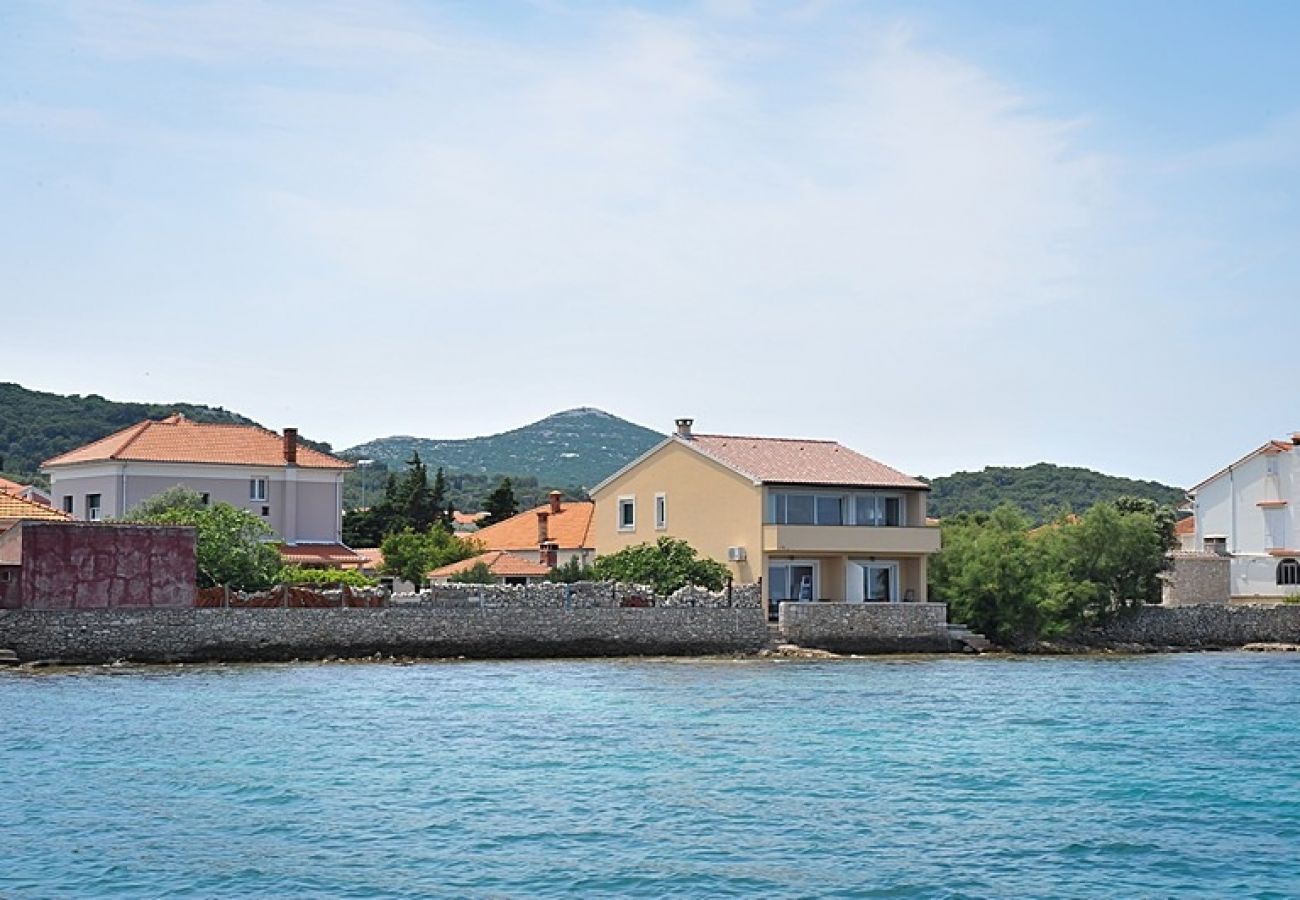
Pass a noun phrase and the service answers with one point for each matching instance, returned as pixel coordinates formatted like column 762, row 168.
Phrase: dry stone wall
column 1203, row 627
column 582, row 595
column 868, row 627
column 252, row 635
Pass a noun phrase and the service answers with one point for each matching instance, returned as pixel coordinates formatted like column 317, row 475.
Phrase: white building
column 1251, row 512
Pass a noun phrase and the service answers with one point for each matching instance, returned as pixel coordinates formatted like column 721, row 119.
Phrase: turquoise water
column 1100, row 777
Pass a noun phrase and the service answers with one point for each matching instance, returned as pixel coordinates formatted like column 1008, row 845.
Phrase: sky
column 948, row 235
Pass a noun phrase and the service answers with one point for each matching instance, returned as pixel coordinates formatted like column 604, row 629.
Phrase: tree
column 667, row 565
column 233, row 547
column 411, row 555
column 479, row 573
column 501, row 503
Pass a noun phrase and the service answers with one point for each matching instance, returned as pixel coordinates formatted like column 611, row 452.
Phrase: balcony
column 860, row 539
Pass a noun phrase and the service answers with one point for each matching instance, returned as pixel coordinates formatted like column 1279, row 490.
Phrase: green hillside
column 576, row 448
column 1042, row 491
column 35, row 426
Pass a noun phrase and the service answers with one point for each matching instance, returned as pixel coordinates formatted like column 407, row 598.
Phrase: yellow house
column 813, row 520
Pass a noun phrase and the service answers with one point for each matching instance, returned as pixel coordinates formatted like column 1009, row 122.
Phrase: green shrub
column 326, row 577
column 667, row 565
column 479, row 573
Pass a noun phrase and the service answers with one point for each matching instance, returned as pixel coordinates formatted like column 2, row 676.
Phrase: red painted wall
column 90, row 566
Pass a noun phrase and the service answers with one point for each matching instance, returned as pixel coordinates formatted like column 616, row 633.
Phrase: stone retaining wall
column 582, row 595
column 868, row 627
column 250, row 635
column 1204, row 626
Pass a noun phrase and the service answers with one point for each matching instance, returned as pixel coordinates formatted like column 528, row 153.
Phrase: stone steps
column 972, row 639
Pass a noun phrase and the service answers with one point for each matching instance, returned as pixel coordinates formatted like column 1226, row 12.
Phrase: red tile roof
column 792, row 461
column 319, row 555
column 1185, row 526
column 570, row 528
column 371, row 558
column 499, row 563
column 15, row 509
column 10, row 487
column 178, row 440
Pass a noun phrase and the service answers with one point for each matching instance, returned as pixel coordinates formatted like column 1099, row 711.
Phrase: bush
column 570, row 572
column 479, row 573
column 326, row 577
column 667, row 565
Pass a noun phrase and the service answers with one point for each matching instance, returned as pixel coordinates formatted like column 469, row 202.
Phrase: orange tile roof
column 10, row 487
column 13, row 508
column 462, row 518
column 371, row 557
column 499, row 563
column 1185, row 526
column 176, row 439
column 792, row 461
column 319, row 555
column 570, row 528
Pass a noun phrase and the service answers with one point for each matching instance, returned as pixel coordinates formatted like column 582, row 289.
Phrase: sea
column 1107, row 776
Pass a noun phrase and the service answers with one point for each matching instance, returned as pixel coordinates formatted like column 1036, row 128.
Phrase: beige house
column 813, row 520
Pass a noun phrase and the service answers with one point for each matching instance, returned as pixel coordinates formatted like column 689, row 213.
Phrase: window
column 1288, row 572
column 824, row 508
column 627, row 514
column 257, row 489
column 67, row 504
column 661, row 511
column 92, row 507
column 1217, row 545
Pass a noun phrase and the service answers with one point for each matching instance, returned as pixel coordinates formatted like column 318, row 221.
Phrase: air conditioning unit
column 736, row 554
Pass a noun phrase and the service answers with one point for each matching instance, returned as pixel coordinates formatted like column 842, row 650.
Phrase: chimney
column 549, row 554
column 543, row 533
column 684, row 428
column 291, row 446
column 555, row 502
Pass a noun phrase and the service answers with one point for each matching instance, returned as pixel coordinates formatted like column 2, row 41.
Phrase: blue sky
column 948, row 234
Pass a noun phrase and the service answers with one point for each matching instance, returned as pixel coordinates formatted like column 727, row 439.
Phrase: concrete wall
column 83, row 566
column 867, row 627
column 234, row 635
column 1205, row 626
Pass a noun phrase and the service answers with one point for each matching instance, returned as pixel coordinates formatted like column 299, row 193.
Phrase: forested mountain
column 576, row 448
column 35, row 426
column 1042, row 491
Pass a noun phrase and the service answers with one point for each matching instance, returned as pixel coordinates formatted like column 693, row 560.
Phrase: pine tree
column 501, row 503
column 420, row 506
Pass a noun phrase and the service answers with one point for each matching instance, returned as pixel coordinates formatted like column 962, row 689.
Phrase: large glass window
column 789, row 580
column 825, row 508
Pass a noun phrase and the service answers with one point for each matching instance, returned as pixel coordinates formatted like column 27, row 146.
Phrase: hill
column 1042, row 491
column 35, row 426
column 576, row 448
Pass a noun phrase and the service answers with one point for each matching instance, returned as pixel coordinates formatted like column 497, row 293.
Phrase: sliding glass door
column 873, row 582
column 793, row 580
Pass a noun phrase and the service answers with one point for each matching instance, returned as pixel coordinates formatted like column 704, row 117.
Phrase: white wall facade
column 1255, row 506
column 301, row 505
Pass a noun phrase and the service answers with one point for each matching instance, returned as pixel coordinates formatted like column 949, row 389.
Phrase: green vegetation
column 326, row 577
column 1042, row 492
column 1016, row 583
column 570, row 572
column 35, row 426
column 500, row 504
column 479, row 573
column 408, row 502
column 574, row 449
column 667, row 565
column 233, row 546
column 411, row 555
